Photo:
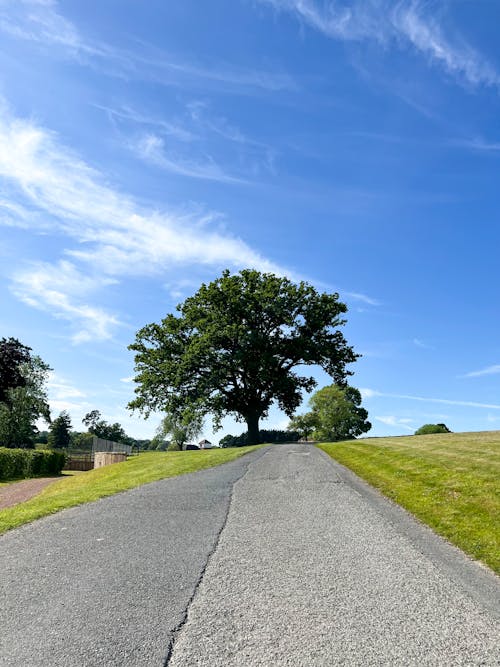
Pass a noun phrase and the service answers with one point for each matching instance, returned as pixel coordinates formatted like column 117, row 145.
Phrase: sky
column 145, row 147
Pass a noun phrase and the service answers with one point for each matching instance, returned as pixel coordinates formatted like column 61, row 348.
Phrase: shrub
column 29, row 463
column 427, row 429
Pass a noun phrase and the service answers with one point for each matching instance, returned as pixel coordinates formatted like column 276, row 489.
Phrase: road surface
column 279, row 558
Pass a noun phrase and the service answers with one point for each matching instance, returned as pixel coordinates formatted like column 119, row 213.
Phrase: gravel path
column 18, row 492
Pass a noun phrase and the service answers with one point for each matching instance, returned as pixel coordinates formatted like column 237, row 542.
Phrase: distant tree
column 23, row 405
column 304, row 424
column 79, row 440
column 337, row 414
column 42, row 437
column 268, row 436
column 102, row 429
column 181, row 426
column 235, row 348
column 14, row 357
column 60, row 431
column 428, row 429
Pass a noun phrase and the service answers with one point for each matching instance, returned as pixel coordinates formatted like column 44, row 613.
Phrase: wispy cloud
column 368, row 393
column 151, row 148
column 59, row 388
column 489, row 370
column 41, row 22
column 410, row 23
column 126, row 113
column 391, row 420
column 194, row 142
column 420, row 343
column 60, row 289
column 477, row 144
column 117, row 236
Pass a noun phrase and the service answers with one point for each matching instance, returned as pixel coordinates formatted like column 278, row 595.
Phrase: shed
column 205, row 444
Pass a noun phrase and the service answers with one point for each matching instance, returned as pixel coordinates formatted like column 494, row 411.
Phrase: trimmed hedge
column 29, row 463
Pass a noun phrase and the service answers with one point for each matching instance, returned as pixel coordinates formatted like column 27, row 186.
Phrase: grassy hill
column 450, row 481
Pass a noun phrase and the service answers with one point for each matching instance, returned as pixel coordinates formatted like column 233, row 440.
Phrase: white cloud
column 391, row 420
column 72, row 194
column 127, row 379
column 117, row 236
column 59, row 289
column 151, row 148
column 61, row 389
column 358, row 296
column 368, row 393
column 489, row 370
column 421, row 344
column 404, row 23
column 372, row 393
column 39, row 21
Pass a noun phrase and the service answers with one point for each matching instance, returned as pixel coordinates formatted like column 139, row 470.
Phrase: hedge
column 15, row 463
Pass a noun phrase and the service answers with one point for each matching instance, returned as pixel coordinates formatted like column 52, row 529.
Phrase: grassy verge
column 95, row 484
column 450, row 481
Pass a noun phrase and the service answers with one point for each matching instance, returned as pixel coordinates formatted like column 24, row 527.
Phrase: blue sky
column 144, row 147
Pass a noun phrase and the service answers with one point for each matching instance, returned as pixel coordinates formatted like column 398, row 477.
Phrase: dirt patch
column 18, row 492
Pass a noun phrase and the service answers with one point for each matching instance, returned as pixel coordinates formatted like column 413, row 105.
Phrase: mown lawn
column 94, row 484
column 449, row 481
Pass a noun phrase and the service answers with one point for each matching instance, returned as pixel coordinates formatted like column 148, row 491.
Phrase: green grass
column 94, row 484
column 449, row 481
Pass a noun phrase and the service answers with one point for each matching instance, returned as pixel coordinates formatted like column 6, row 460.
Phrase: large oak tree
column 237, row 346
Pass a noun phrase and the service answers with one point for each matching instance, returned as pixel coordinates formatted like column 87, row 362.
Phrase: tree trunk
column 253, row 429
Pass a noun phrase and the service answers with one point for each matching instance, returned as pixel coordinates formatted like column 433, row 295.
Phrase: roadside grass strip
column 94, row 484
column 449, row 481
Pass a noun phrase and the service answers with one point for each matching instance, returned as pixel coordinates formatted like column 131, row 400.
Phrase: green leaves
column 234, row 345
column 336, row 414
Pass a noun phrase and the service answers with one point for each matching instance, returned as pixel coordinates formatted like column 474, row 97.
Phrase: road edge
column 474, row 578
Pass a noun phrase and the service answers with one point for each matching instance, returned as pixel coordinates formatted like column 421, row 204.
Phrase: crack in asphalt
column 182, row 622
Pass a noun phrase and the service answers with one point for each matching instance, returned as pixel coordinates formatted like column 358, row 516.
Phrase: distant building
column 206, row 444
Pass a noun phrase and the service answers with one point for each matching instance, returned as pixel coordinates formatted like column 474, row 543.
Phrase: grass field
column 450, row 481
column 84, row 487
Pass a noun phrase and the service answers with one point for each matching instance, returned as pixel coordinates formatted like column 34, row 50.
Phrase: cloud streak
column 114, row 235
column 489, row 370
column 40, row 22
column 399, row 23
column 151, row 149
column 372, row 393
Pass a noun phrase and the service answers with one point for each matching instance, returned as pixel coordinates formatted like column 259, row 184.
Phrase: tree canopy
column 23, row 394
column 60, row 431
column 102, row 429
column 336, row 414
column 180, row 427
column 235, row 348
column 14, row 357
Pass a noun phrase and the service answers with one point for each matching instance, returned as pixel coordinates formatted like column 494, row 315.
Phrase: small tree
column 304, row 424
column 60, row 431
column 428, row 429
column 337, row 414
column 181, row 427
column 102, row 429
column 235, row 347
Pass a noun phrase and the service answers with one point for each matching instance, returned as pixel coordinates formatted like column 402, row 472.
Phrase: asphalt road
column 279, row 558
column 108, row 583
